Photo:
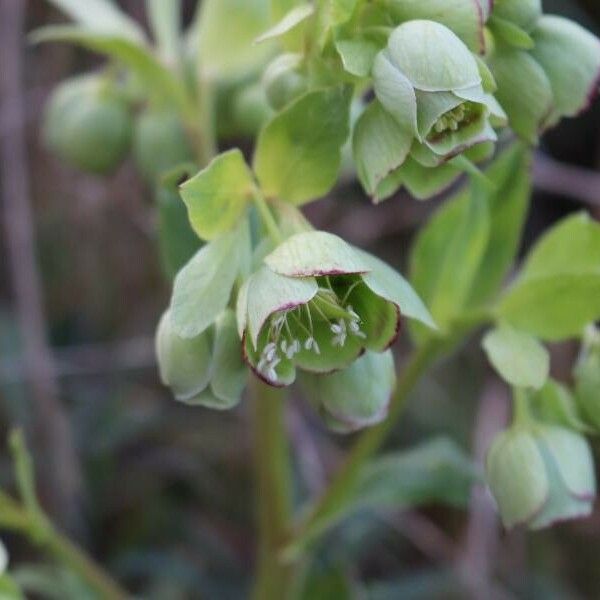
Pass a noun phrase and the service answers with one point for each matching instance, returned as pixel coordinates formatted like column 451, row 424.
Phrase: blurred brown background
column 161, row 493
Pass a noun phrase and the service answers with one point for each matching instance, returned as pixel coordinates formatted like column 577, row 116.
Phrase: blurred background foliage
column 164, row 492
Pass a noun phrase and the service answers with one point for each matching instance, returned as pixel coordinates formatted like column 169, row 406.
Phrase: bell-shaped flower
column 541, row 474
column 356, row 397
column 206, row 370
column 317, row 304
column 431, row 83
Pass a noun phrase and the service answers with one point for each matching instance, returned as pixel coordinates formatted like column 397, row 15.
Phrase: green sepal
column 356, row 397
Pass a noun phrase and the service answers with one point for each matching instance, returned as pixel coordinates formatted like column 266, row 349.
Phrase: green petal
column 330, row 358
column 517, row 476
column 431, row 106
column 269, row 292
column 524, row 91
column 387, row 283
column 395, row 92
column 573, row 458
column 241, row 308
column 229, row 373
column 184, row 363
column 356, row 397
column 380, row 146
column 452, row 143
column 463, row 17
column 570, row 56
column 380, row 319
column 315, row 253
column 432, row 57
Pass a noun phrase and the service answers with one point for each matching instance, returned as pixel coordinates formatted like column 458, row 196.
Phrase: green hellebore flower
column 206, row 370
column 587, row 378
column 356, row 397
column 430, row 82
column 540, row 475
column 317, row 304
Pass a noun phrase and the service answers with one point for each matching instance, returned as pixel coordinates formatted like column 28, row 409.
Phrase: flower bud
column 283, row 81
column 184, row 363
column 159, row 143
column 356, row 397
column 88, row 124
column 251, row 109
column 540, row 474
column 206, row 370
column 587, row 379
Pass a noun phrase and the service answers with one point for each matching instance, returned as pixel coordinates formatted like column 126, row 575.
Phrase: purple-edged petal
column 314, row 254
column 270, row 292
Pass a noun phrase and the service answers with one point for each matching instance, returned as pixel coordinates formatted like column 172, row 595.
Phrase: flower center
column 294, row 330
column 452, row 120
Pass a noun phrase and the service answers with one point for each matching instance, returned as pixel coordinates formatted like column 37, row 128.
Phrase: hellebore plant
column 406, row 93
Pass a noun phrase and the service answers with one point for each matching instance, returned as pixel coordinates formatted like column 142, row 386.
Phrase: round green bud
column 283, row 81
column 541, row 474
column 88, row 123
column 159, row 143
column 251, row 109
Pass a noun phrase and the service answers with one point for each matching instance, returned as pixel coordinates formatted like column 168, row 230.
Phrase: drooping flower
column 206, row 370
column 541, row 474
column 317, row 304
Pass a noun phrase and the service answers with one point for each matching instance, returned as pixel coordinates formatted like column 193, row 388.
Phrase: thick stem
column 273, row 479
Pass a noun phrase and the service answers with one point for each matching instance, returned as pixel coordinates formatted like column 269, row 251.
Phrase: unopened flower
column 356, row 397
column 541, row 474
column 317, row 304
column 206, row 370
column 430, row 82
column 587, row 378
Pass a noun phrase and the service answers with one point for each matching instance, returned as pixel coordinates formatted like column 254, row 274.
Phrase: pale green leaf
column 217, row 196
column 202, row 288
column 102, row 16
column 290, row 21
column 518, row 357
column 227, row 29
column 298, row 154
column 358, row 55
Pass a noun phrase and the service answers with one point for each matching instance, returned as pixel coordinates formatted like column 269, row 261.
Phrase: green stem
column 368, row 443
column 274, row 502
column 521, row 407
column 267, row 217
column 41, row 533
column 207, row 135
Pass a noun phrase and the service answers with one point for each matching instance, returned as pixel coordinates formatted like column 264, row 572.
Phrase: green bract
column 206, row 370
column 429, row 83
column 317, row 304
column 89, row 124
column 541, row 474
column 356, row 397
column 283, row 81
